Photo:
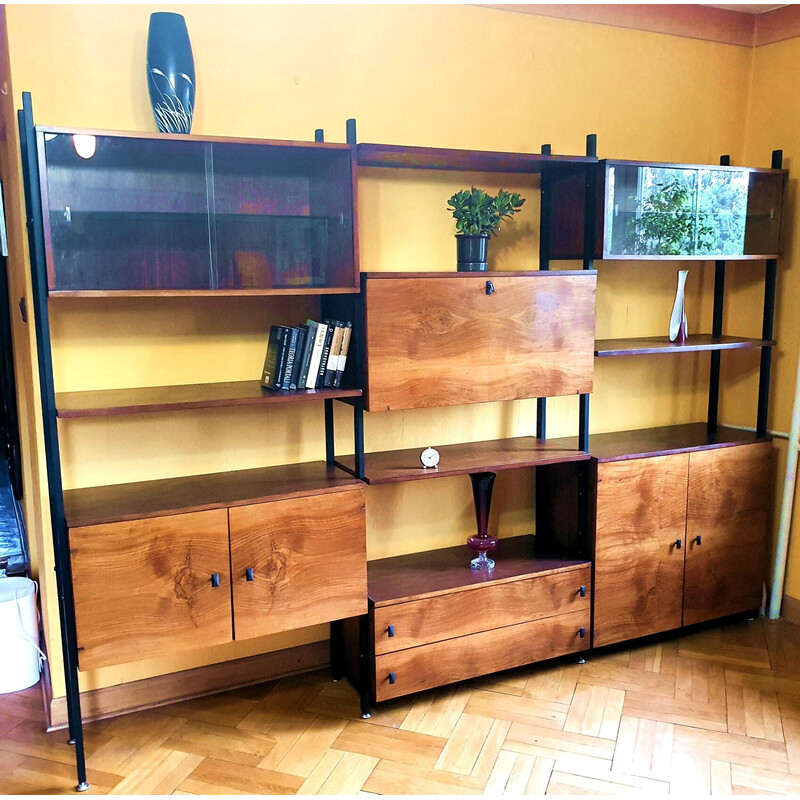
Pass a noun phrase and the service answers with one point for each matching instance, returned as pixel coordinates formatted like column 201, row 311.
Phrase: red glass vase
column 482, row 543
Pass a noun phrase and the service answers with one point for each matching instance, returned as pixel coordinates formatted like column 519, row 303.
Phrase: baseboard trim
column 126, row 698
column 790, row 609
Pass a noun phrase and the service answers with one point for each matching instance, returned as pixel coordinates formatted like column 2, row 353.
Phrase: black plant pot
column 472, row 251
column 170, row 72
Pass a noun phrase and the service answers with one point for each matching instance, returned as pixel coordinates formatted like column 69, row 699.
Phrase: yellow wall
column 774, row 121
column 409, row 76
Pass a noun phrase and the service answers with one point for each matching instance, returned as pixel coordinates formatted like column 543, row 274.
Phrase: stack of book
column 310, row 356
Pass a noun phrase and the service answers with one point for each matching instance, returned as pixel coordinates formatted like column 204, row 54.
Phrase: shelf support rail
column 770, row 282
column 716, row 330
column 589, row 231
column 544, row 265
column 66, row 603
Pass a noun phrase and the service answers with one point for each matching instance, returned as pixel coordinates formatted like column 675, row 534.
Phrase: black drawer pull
column 249, row 574
column 390, row 630
column 582, row 591
column 215, row 580
column 392, row 677
column 490, row 287
column 582, row 633
column 678, row 544
column 698, row 540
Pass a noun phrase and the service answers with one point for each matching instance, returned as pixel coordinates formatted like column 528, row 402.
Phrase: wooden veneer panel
column 440, row 340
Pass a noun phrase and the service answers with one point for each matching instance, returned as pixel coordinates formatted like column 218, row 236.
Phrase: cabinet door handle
column 582, row 591
column 392, row 677
column 678, row 544
column 698, row 540
column 215, row 580
column 249, row 574
column 582, row 633
column 490, row 288
column 390, row 630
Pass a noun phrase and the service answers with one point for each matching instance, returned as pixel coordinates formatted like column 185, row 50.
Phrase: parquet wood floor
column 714, row 712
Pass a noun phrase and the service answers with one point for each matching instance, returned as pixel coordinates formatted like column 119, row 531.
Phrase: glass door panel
column 124, row 213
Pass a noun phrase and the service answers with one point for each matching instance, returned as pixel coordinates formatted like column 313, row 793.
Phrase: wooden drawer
column 442, row 340
column 308, row 560
column 480, row 608
column 143, row 588
column 419, row 668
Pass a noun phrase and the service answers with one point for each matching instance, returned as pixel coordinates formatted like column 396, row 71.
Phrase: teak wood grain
column 118, row 502
column 444, row 341
column 621, row 445
column 393, row 466
column 309, row 562
column 419, row 668
column 729, row 508
column 480, row 608
column 143, row 588
column 437, row 572
column 641, row 514
column 108, row 402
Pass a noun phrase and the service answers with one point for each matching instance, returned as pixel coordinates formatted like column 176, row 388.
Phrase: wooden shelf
column 661, row 344
column 289, row 290
column 389, row 155
column 110, row 402
column 394, row 466
column 116, row 503
column 435, row 572
column 622, row 445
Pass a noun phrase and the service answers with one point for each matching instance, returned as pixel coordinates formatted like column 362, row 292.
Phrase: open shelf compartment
column 436, row 572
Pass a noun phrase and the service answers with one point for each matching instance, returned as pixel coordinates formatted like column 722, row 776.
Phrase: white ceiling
column 747, row 8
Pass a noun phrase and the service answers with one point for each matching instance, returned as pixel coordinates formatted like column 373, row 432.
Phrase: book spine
column 316, row 356
column 272, row 359
column 333, row 358
column 346, row 335
column 308, row 349
column 326, row 351
column 283, row 355
column 302, row 332
column 291, row 335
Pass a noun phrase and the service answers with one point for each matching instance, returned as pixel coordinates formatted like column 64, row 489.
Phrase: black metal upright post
column 770, row 281
column 544, row 265
column 589, row 234
column 58, row 519
column 716, row 331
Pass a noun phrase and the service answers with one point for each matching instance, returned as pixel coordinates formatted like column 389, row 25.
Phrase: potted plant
column 478, row 215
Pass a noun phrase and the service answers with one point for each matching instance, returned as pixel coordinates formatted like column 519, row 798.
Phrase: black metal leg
column 358, row 436
column 364, row 670
column 330, row 454
column 541, row 418
column 583, row 424
column 336, row 651
column 766, row 352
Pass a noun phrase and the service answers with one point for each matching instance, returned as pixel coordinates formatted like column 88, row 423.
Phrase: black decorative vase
column 472, row 251
column 170, row 72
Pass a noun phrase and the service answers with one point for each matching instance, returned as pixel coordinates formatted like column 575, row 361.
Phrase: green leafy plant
column 669, row 224
column 477, row 212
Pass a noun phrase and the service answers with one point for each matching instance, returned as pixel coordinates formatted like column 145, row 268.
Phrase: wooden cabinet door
column 308, row 560
column 145, row 588
column 730, row 496
column 638, row 568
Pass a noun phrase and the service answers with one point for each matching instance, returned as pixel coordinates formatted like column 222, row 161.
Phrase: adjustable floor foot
column 70, row 741
column 82, row 787
column 581, row 660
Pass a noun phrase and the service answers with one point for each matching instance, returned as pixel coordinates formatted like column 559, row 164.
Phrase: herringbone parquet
column 712, row 712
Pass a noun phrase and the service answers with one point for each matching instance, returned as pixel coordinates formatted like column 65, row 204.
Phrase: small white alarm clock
column 429, row 457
